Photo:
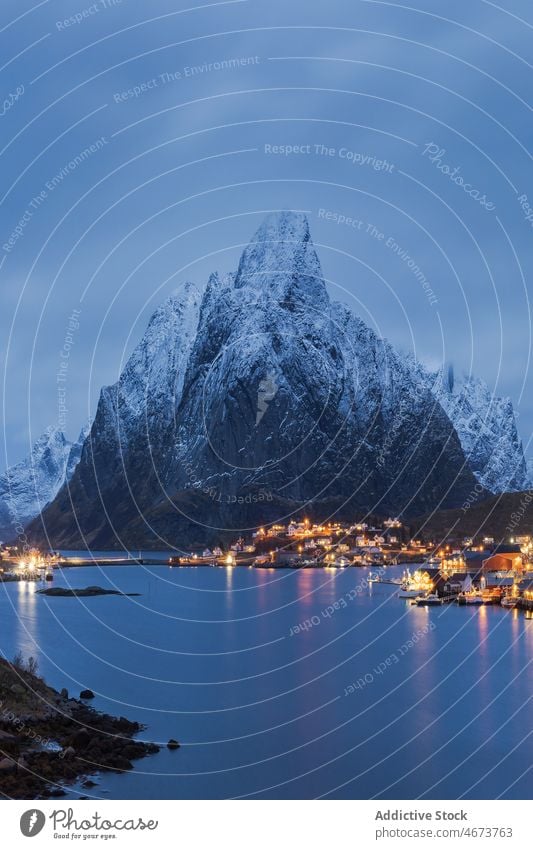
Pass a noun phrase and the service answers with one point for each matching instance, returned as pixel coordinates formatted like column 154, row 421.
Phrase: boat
column 391, row 581
column 376, row 577
column 470, row 598
column 428, row 600
column 509, row 601
column 408, row 590
column 492, row 595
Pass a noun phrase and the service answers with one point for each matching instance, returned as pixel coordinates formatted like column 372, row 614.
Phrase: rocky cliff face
column 417, row 456
column 259, row 398
column 290, row 393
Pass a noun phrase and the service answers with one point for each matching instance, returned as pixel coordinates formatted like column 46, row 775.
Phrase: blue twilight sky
column 412, row 122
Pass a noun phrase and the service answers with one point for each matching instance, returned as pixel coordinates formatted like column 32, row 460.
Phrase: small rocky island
column 71, row 592
column 47, row 738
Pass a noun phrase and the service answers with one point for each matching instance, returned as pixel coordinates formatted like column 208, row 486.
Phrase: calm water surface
column 441, row 707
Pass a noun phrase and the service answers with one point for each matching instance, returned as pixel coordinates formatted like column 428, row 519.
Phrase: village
column 467, row 570
column 307, row 544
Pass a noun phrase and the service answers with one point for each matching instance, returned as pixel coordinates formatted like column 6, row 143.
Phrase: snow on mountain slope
column 132, row 436
column 148, row 390
column 27, row 487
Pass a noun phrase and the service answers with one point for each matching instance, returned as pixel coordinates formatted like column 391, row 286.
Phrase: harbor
column 467, row 574
column 413, row 662
column 478, row 583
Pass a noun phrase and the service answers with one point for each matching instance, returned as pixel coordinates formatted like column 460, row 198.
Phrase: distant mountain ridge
column 260, row 397
column 27, row 487
column 486, row 426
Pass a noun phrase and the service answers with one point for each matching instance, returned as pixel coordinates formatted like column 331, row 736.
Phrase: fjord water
column 214, row 658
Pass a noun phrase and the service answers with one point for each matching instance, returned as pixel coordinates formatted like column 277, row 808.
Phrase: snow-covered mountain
column 27, row 487
column 486, row 426
column 258, row 398
column 346, row 417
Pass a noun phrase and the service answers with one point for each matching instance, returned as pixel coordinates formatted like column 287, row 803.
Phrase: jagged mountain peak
column 85, row 431
column 285, row 225
column 281, row 263
column 51, row 434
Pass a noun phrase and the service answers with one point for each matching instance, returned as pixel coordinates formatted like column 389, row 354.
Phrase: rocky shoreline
column 48, row 739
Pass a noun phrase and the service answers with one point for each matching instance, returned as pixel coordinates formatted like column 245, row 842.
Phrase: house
column 473, row 561
column 282, row 556
column 392, row 523
column 492, row 581
column 429, row 579
column 504, row 558
column 457, row 583
column 342, row 561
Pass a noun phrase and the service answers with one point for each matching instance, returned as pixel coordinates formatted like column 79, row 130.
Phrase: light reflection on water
column 207, row 656
column 25, row 621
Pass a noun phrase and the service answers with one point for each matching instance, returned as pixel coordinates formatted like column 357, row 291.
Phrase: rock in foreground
column 48, row 740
